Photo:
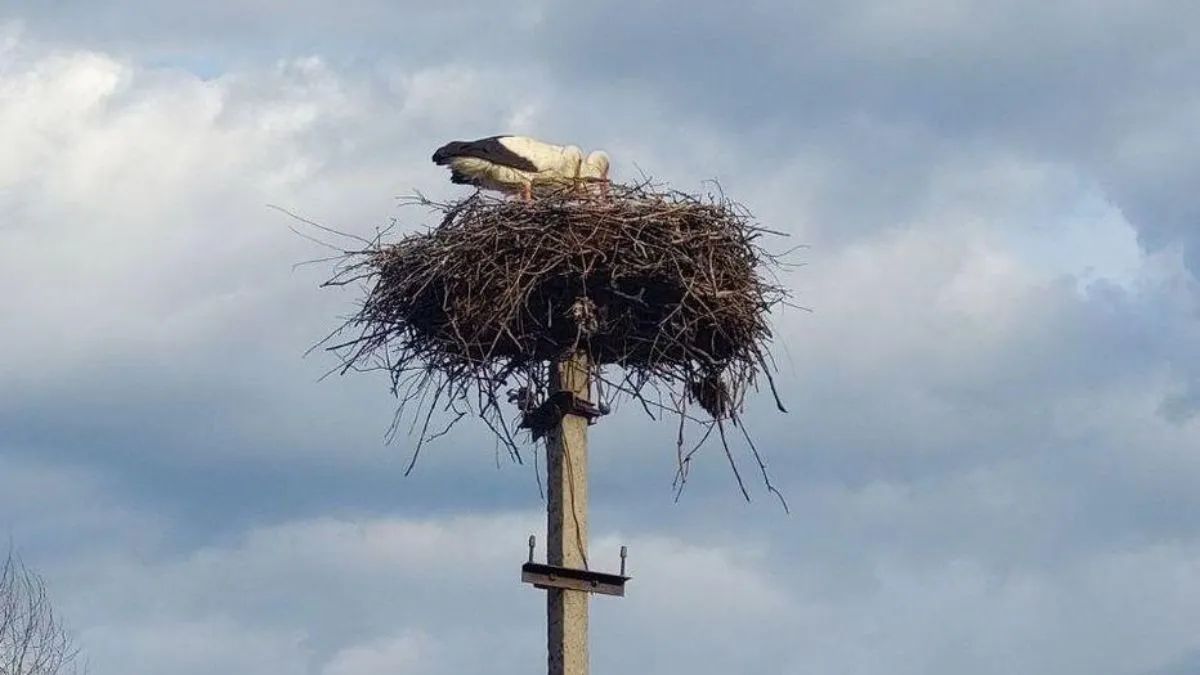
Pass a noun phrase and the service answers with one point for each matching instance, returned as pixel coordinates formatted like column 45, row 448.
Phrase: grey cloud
column 893, row 90
column 975, row 445
column 1185, row 665
column 220, row 34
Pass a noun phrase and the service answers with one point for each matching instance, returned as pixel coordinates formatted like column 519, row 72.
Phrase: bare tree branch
column 33, row 640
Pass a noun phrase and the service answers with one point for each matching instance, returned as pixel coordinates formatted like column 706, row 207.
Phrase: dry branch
column 33, row 640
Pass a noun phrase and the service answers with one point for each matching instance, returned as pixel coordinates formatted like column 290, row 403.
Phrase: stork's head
column 596, row 165
column 573, row 159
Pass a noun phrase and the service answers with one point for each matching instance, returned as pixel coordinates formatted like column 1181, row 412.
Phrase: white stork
column 517, row 163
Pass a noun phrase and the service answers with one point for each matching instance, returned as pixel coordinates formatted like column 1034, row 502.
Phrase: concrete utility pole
column 566, row 577
column 566, row 523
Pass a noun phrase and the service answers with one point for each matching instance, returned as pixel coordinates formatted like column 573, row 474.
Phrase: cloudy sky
column 993, row 449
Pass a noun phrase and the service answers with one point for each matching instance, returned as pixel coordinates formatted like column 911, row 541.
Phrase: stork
column 515, row 164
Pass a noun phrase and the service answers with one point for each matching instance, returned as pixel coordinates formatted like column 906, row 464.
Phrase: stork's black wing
column 489, row 149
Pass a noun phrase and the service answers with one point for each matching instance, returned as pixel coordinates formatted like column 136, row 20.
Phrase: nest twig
column 665, row 291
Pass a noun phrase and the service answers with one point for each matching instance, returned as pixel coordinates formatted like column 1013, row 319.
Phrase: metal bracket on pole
column 551, row 576
column 555, row 407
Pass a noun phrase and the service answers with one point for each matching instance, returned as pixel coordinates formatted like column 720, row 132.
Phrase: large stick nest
column 667, row 293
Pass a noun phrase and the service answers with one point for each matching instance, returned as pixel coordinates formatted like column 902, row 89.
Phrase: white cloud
column 401, row 654
column 139, row 253
column 191, row 648
column 440, row 595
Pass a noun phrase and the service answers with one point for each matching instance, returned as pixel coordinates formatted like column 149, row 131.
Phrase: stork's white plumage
column 518, row 163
